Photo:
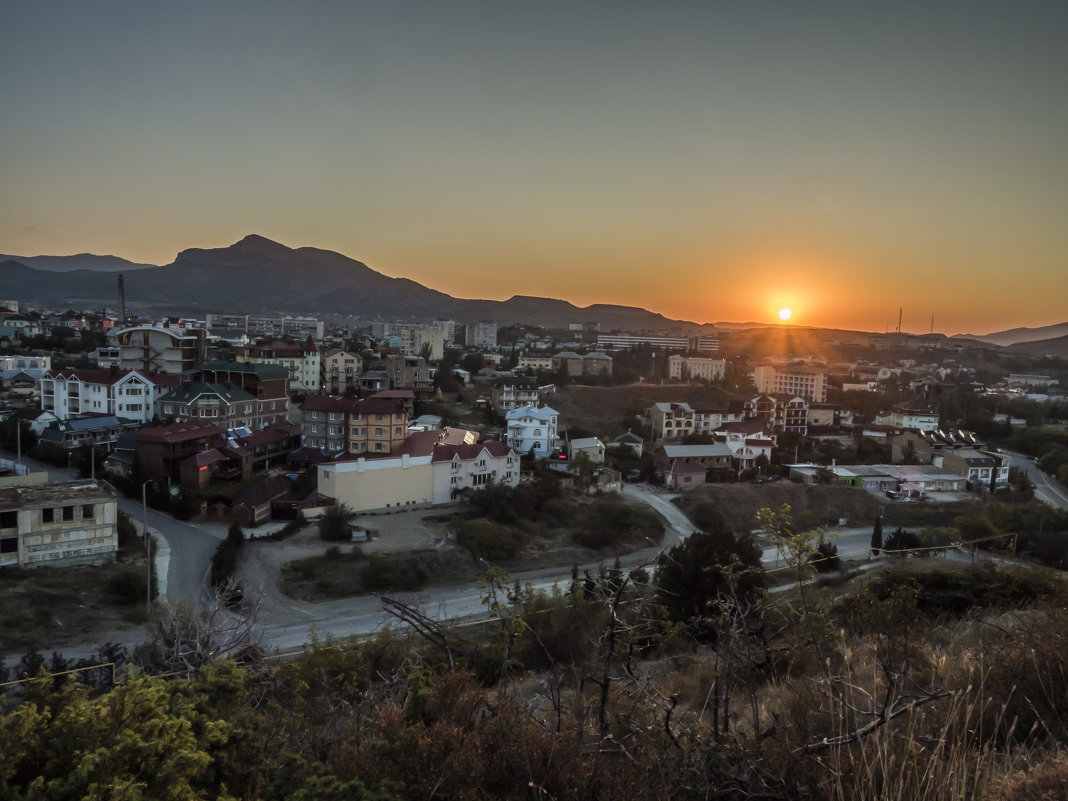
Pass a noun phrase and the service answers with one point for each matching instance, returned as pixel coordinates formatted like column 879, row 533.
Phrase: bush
column 128, row 587
column 335, row 525
column 383, row 573
column 488, row 540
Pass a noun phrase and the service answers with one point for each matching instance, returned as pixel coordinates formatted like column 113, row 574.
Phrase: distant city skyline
column 710, row 162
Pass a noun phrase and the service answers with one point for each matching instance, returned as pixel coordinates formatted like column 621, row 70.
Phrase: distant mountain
column 82, row 261
column 1057, row 346
column 1016, row 335
column 258, row 275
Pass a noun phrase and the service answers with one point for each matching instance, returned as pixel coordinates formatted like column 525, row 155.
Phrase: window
column 68, row 513
column 9, row 545
column 48, row 515
column 379, row 432
column 88, row 511
column 9, row 519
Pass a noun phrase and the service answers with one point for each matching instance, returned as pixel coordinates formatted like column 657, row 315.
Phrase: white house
column 423, row 477
column 591, row 446
column 124, row 393
column 532, row 429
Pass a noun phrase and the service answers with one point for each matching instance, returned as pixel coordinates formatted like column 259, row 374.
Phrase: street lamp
column 148, row 549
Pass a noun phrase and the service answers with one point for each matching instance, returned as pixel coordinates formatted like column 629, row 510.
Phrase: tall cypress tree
column 877, row 536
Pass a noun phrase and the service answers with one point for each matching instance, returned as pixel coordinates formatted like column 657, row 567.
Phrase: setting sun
column 785, row 314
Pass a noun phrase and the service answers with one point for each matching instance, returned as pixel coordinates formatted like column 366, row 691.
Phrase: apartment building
column 263, row 325
column 807, row 382
column 151, row 349
column 354, row 425
column 780, row 412
column 265, row 382
column 689, row 368
column 481, row 335
column 407, row 372
column 340, row 371
column 302, row 363
column 509, row 393
column 67, row 524
column 130, row 394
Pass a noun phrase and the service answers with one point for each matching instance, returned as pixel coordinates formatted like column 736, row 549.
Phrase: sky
column 708, row 161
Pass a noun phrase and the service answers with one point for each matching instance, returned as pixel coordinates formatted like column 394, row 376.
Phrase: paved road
column 190, row 548
column 1046, row 489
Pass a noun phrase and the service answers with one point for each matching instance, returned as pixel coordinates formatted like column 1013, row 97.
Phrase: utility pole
column 148, row 547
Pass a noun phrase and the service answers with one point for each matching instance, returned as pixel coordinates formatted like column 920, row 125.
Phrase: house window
column 48, row 515
column 68, row 513
column 9, row 519
column 379, row 432
column 88, row 511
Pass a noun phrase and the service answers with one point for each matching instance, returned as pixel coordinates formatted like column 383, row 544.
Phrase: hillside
column 1015, row 336
column 602, row 410
column 1045, row 347
column 259, row 275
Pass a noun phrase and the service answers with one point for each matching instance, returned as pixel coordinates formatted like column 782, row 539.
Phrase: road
column 1046, row 489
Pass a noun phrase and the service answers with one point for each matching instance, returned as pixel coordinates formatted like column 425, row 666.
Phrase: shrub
column 483, row 538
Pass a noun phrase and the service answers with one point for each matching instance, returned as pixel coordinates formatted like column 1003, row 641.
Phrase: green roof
column 185, row 393
column 260, row 370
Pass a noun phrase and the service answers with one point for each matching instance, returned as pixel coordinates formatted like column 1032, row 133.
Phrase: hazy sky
column 710, row 161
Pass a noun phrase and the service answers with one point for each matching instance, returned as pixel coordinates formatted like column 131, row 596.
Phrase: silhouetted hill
column 81, row 261
column 1043, row 347
column 259, row 275
column 1016, row 335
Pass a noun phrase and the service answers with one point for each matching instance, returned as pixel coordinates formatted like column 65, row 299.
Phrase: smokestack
column 122, row 301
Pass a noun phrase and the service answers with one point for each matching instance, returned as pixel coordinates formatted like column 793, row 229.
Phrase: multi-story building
column 426, row 471
column 671, row 421
column 532, row 430
column 263, row 325
column 265, row 382
column 780, row 412
column 448, row 330
column 354, row 425
column 224, row 405
column 421, row 340
column 340, row 371
column 979, row 467
column 302, row 363
column 147, row 348
column 407, row 372
column 809, row 383
column 695, row 343
column 509, row 393
column 481, row 335
column 25, row 363
column 688, row 368
column 62, row 437
column 748, row 441
column 131, row 394
column 535, row 362
column 58, row 524
column 190, row 452
column 905, row 416
column 595, row 363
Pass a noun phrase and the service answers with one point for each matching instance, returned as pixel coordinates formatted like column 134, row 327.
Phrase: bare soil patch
column 603, row 410
column 66, row 607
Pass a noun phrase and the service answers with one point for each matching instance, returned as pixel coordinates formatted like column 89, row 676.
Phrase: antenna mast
column 122, row 301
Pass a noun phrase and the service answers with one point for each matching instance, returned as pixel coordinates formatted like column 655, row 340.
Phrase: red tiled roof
column 324, row 403
column 760, row 443
column 422, row 443
column 204, row 458
column 179, row 432
column 445, row 453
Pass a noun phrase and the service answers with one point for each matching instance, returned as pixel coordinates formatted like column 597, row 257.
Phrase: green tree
column 702, row 570
column 335, row 524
